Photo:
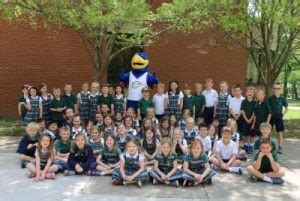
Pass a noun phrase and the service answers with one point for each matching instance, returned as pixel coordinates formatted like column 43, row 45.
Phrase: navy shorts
column 208, row 115
column 277, row 120
column 246, row 129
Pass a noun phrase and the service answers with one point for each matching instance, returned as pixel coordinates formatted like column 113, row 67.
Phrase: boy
column 211, row 97
column 62, row 147
column 226, row 153
column 106, row 98
column 262, row 112
column 204, row 138
column 188, row 100
column 69, row 98
column 144, row 103
column 235, row 105
column 277, row 102
column 69, row 116
column 247, row 109
column 93, row 97
column 57, row 107
column 104, row 109
column 266, row 165
column 199, row 102
column 22, row 101
column 99, row 120
column 28, row 144
column 265, row 129
column 159, row 100
column 222, row 105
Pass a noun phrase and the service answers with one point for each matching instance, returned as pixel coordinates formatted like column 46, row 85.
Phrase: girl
column 165, row 167
column 196, row 167
column 76, row 128
column 190, row 132
column 109, row 156
column 174, row 99
column 222, row 104
column 120, row 100
column 131, row 113
column 43, row 167
column 46, row 99
column 34, row 106
column 129, row 126
column 180, row 144
column 22, row 101
column 149, row 145
column 182, row 123
column 173, row 123
column 146, row 124
column 81, row 158
column 83, row 103
column 118, row 118
column 108, row 125
column 95, row 141
column 151, row 114
column 89, row 128
column 132, row 166
column 121, row 137
column 212, row 134
column 164, row 130
column 93, row 98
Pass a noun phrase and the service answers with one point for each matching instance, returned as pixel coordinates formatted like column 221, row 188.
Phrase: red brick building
column 38, row 55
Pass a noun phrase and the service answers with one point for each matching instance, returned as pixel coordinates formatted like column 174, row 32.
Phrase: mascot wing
column 124, row 77
column 152, row 80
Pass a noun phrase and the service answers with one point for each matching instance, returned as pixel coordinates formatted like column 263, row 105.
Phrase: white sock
column 233, row 169
column 267, row 179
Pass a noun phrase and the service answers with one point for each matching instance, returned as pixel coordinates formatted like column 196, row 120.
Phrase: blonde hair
column 226, row 129
column 231, row 122
column 95, row 83
column 191, row 119
column 265, row 125
column 162, row 85
column 180, row 131
column 73, row 145
column 163, row 142
column 224, row 82
column 208, row 80
column 250, row 88
column 33, row 126
column 196, row 142
column 64, row 129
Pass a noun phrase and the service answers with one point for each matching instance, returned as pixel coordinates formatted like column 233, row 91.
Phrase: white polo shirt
column 159, row 103
column 226, row 152
column 211, row 97
column 235, row 105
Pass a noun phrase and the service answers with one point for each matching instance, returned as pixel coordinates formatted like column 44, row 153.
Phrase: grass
column 10, row 127
column 294, row 102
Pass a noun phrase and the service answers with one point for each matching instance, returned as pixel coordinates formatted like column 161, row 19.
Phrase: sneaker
column 280, row 150
column 154, row 181
column 139, row 183
column 253, row 179
column 277, row 181
column 117, row 182
column 50, row 176
column 124, row 183
column 97, row 173
column 175, row 183
column 69, row 172
column 240, row 171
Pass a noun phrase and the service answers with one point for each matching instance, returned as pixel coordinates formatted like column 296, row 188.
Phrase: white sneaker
column 139, row 183
column 154, row 181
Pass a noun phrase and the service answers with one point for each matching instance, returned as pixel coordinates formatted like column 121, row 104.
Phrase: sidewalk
column 15, row 186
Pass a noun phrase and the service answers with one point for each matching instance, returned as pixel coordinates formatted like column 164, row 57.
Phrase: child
column 22, row 101
column 63, row 147
column 188, row 99
column 28, row 144
column 53, row 130
column 277, row 102
column 88, row 128
column 57, row 107
column 247, row 109
column 180, row 144
column 190, row 131
column 199, row 102
column 81, row 158
column 196, row 167
column 213, row 134
column 150, row 113
column 174, row 100
column 262, row 112
column 42, row 167
column 120, row 100
column 173, row 123
column 146, row 124
column 235, row 106
column 69, row 117
column 46, row 100
column 222, row 104
column 211, row 98
column 93, row 98
column 129, row 127
column 109, row 156
column 149, row 144
column 104, row 109
column 95, row 141
column 34, row 106
column 99, row 120
column 76, row 128
column 226, row 152
column 118, row 118
column 83, row 103
column 164, row 129
column 182, row 123
column 132, row 166
column 106, row 98
column 266, row 165
column 159, row 100
column 131, row 113
column 265, row 129
column 204, row 138
column 144, row 103
column 121, row 137
column 108, row 126
column 69, row 98
column 42, row 126
column 165, row 167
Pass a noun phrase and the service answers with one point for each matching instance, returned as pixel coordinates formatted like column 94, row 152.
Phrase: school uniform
column 258, row 141
column 211, row 98
column 22, row 148
column 189, row 136
column 118, row 122
column 43, row 159
column 84, row 106
column 182, row 124
column 235, row 106
column 222, row 108
column 163, row 133
column 266, row 166
column 132, row 165
column 206, row 141
column 68, row 123
column 199, row 102
column 74, row 131
column 188, row 103
column 96, row 145
column 122, row 141
column 196, row 165
column 262, row 110
column 22, row 99
column 58, row 117
column 120, row 101
column 159, row 105
column 248, row 107
column 131, row 132
column 46, row 101
column 165, row 165
column 276, row 105
column 64, row 148
column 226, row 151
column 150, row 147
column 236, row 137
column 93, row 98
column 70, row 101
column 106, row 99
column 110, row 156
column 143, row 105
column 84, row 157
column 178, row 150
column 33, row 114
column 174, row 104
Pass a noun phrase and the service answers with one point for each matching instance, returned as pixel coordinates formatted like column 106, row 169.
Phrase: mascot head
column 140, row 62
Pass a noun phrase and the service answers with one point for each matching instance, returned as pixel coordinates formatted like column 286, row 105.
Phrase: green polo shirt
column 70, row 100
column 188, row 103
column 248, row 107
column 62, row 147
column 199, row 101
column 262, row 110
column 144, row 104
column 107, row 100
column 57, row 116
column 265, row 165
column 277, row 104
column 259, row 139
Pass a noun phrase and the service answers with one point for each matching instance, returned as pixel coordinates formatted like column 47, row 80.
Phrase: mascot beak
column 138, row 62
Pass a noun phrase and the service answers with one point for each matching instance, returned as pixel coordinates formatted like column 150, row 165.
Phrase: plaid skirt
column 175, row 176
column 116, row 175
column 187, row 176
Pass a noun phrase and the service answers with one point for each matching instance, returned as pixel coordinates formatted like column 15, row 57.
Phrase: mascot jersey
column 135, row 86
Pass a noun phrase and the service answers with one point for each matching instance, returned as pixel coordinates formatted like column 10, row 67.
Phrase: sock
column 233, row 169
column 267, row 179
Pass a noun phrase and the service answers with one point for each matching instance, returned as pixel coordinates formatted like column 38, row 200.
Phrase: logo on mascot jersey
column 136, row 84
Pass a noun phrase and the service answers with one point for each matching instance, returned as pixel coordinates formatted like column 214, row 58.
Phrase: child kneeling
column 266, row 165
column 132, row 166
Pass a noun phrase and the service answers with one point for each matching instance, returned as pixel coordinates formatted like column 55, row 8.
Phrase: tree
column 106, row 27
column 267, row 29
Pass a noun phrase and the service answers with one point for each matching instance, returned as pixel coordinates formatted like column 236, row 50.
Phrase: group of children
column 171, row 138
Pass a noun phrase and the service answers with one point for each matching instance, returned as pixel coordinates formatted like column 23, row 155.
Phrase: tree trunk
column 295, row 92
column 285, row 82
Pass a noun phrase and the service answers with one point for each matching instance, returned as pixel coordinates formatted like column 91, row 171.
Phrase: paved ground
column 15, row 186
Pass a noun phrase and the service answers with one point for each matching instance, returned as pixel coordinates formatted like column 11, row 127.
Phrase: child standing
column 93, row 98
column 165, row 167
column 235, row 105
column 174, row 100
column 132, row 166
column 69, row 98
column 277, row 102
column 83, row 103
column 199, row 102
column 34, row 106
column 121, row 137
column 196, row 167
column 120, row 100
column 188, row 99
column 180, row 144
column 46, row 101
column 63, row 147
column 107, row 99
column 149, row 144
column 144, row 103
column 211, row 97
column 57, row 107
column 204, row 138
column 222, row 104
column 159, row 100
column 22, row 101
